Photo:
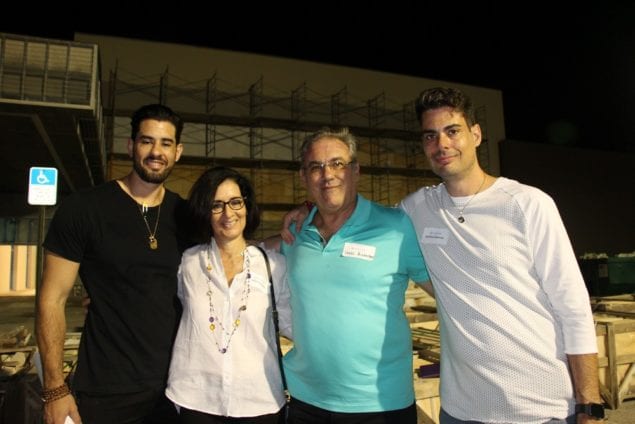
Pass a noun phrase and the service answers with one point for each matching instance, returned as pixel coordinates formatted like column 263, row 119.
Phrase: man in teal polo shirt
column 348, row 271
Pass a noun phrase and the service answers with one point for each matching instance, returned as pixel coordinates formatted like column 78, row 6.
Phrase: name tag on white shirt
column 435, row 235
column 361, row 251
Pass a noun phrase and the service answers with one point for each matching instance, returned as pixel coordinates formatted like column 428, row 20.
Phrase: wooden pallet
column 619, row 306
column 616, row 358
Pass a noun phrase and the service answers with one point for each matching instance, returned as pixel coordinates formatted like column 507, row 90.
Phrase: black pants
column 188, row 416
column 303, row 413
column 147, row 407
column 445, row 418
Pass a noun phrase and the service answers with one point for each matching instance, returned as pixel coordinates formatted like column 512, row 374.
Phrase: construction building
column 67, row 105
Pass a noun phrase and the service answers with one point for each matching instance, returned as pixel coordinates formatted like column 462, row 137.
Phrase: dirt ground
column 18, row 311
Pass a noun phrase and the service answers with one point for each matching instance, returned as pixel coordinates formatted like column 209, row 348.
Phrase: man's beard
column 150, row 176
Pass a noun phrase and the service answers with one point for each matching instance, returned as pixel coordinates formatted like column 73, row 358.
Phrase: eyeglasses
column 235, row 203
column 315, row 168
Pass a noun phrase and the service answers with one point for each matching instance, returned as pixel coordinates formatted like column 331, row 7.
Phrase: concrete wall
column 18, row 267
column 594, row 191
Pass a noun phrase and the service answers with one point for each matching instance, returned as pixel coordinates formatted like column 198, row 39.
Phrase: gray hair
column 343, row 134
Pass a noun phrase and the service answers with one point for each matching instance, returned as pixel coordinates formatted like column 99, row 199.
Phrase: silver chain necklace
column 214, row 321
column 461, row 219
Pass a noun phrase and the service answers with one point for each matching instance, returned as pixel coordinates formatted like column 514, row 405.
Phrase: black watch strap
column 595, row 410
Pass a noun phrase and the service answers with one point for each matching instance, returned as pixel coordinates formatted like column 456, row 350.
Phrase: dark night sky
column 567, row 77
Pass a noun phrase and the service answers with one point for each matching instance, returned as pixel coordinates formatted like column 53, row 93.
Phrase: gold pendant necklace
column 152, row 240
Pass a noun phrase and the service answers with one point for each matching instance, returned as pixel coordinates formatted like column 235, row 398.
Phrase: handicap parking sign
column 42, row 186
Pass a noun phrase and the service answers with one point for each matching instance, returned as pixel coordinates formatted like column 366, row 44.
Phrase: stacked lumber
column 15, row 355
column 419, row 305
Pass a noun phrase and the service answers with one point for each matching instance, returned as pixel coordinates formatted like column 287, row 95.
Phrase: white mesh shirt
column 511, row 301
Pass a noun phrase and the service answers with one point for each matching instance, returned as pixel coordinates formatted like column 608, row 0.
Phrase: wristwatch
column 595, row 410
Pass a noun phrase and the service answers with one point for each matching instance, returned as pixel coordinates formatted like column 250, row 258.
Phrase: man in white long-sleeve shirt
column 517, row 333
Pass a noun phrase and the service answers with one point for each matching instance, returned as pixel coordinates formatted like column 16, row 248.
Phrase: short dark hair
column 157, row 112
column 199, row 203
column 435, row 98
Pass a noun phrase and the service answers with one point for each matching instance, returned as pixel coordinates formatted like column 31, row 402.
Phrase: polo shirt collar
column 358, row 217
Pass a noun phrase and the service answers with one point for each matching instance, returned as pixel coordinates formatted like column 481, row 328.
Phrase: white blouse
column 245, row 380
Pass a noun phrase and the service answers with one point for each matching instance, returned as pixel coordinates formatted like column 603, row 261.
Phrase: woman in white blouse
column 224, row 363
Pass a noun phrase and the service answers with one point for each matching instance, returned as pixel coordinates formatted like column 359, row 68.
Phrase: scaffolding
column 259, row 129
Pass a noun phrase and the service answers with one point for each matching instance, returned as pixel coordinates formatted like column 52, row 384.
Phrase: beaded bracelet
column 49, row 395
column 309, row 204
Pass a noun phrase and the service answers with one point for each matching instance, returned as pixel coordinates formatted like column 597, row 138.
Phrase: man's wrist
column 50, row 395
column 594, row 410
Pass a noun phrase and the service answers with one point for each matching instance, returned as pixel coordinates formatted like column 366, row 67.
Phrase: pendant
column 154, row 244
column 461, row 219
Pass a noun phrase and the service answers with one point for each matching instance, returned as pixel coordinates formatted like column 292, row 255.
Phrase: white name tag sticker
column 361, row 251
column 435, row 235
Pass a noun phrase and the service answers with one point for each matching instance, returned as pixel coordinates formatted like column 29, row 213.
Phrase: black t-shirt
column 134, row 312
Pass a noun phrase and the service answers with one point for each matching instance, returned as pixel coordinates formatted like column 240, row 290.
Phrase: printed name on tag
column 361, row 251
column 435, row 235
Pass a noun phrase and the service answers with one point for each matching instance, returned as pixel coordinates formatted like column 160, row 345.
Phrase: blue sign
column 43, row 176
column 42, row 186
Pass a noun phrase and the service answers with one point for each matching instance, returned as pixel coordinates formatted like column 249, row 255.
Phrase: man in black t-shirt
column 121, row 238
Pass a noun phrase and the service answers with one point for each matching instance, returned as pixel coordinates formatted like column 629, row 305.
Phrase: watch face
column 595, row 410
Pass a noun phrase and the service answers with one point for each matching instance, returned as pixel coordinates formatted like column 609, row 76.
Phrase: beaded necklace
column 214, row 321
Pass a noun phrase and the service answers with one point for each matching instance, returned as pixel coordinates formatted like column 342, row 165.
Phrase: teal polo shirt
column 352, row 343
